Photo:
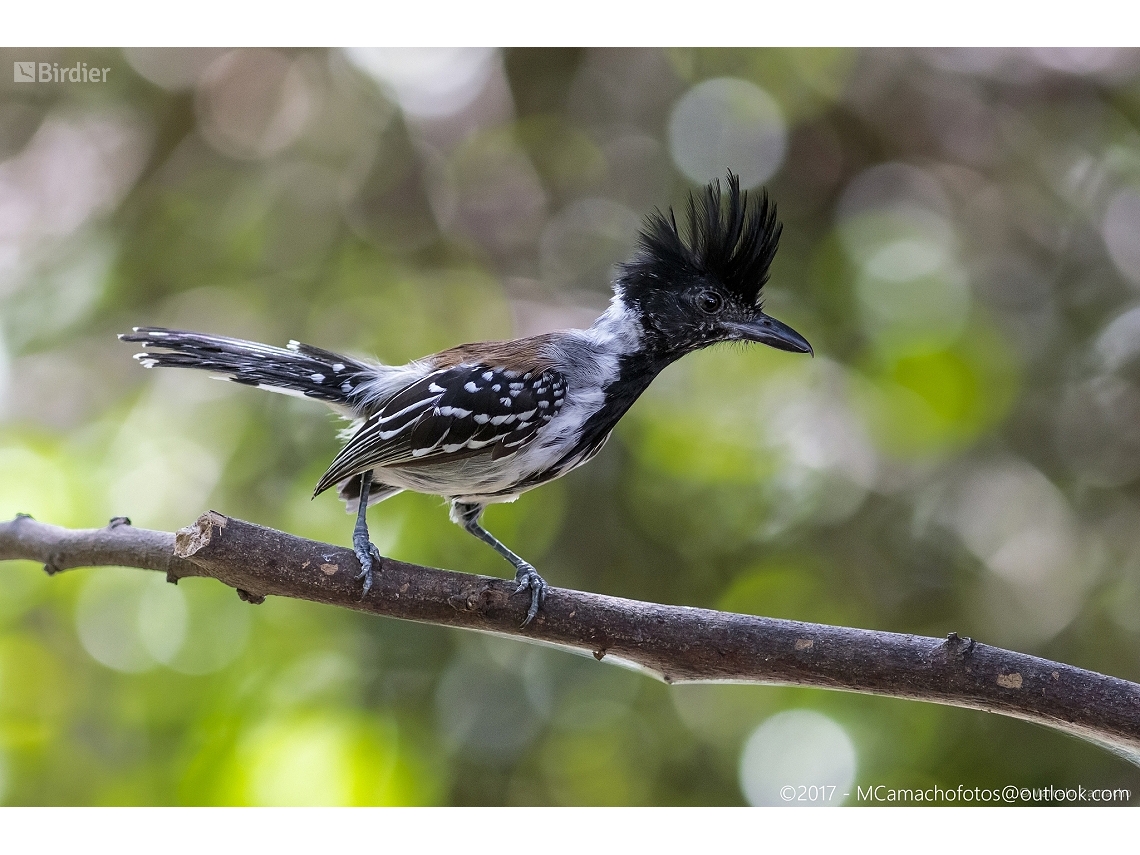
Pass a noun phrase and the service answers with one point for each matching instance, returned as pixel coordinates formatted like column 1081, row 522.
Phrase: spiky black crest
column 729, row 241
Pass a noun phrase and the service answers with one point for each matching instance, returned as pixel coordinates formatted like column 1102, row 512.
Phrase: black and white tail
column 297, row 370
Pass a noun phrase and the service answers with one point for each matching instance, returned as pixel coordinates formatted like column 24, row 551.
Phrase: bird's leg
column 365, row 550
column 467, row 515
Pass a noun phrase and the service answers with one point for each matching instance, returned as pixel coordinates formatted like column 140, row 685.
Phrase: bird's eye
column 709, row 302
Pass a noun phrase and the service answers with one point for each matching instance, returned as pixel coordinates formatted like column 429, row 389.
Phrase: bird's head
column 704, row 287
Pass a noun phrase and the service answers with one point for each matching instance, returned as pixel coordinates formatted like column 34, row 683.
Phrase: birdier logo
column 50, row 72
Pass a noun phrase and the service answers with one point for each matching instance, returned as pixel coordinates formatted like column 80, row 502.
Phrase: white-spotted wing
column 453, row 412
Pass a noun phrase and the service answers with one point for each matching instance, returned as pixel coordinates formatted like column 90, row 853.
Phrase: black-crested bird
column 482, row 423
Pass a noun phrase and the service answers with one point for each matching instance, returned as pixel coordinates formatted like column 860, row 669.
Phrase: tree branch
column 674, row 643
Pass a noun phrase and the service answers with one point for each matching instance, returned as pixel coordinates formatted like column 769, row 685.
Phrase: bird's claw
column 368, row 555
column 529, row 579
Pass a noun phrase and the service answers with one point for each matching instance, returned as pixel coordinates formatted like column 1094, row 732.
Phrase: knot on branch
column 195, row 537
column 482, row 600
column 957, row 647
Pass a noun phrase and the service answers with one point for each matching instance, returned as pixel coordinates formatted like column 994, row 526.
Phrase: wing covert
column 453, row 412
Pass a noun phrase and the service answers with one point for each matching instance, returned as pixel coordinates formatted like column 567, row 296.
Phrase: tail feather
column 299, row 369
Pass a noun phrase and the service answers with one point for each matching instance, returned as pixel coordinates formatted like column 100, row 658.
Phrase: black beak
column 769, row 331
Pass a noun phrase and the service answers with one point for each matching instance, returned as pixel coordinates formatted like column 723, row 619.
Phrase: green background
column 963, row 454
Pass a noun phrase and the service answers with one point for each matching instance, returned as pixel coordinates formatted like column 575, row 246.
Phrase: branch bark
column 674, row 643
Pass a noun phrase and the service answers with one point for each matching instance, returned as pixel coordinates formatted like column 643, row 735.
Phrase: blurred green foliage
column 960, row 247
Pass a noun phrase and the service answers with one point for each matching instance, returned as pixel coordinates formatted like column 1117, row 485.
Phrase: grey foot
column 368, row 555
column 529, row 579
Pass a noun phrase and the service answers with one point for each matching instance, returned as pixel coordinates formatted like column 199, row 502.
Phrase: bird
column 482, row 423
